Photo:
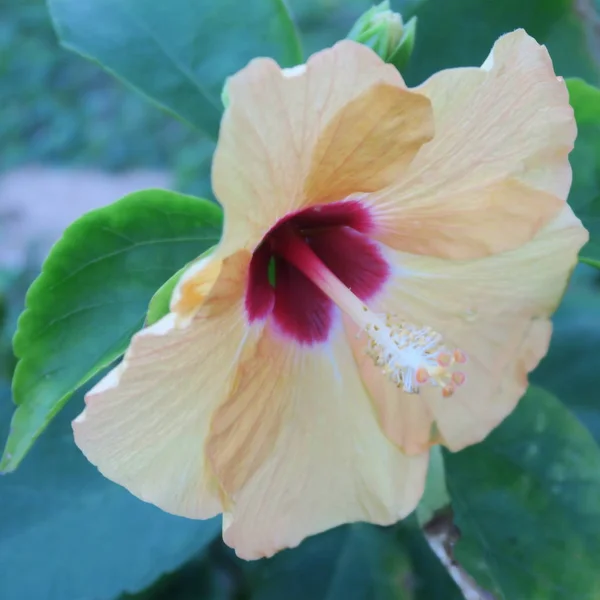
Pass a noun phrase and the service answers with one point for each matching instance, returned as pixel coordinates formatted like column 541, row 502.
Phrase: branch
column 441, row 535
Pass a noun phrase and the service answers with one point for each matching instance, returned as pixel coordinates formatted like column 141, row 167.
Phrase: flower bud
column 384, row 31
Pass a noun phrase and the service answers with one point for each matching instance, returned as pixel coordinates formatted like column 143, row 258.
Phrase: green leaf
column 287, row 34
column 570, row 370
column 590, row 261
column 67, row 532
column 357, row 561
column 435, row 496
column 159, row 305
column 178, row 53
column 209, row 576
column 92, row 296
column 462, row 32
column 527, row 503
column 192, row 168
column 585, row 193
column 585, row 100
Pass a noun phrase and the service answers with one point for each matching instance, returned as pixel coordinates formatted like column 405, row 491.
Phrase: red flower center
column 337, row 234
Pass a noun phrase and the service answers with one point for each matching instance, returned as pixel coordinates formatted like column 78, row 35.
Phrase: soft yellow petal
column 403, row 417
column 146, row 422
column 497, row 169
column 368, row 143
column 298, row 450
column 340, row 124
column 491, row 391
column 197, row 286
column 496, row 310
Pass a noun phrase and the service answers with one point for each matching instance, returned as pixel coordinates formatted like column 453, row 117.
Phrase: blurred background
column 73, row 138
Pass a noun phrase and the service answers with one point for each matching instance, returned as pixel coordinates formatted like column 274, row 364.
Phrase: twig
column 441, row 535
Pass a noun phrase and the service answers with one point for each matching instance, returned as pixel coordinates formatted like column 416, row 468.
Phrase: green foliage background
column 527, row 500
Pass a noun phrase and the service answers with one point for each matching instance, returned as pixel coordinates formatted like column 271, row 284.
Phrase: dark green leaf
column 585, row 194
column 430, row 580
column 571, row 368
column 361, row 562
column 68, row 533
column 178, row 53
column 192, row 172
column 462, row 32
column 527, row 503
column 92, row 296
column 203, row 578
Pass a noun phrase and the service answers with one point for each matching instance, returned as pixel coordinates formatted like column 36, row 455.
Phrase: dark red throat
column 338, row 234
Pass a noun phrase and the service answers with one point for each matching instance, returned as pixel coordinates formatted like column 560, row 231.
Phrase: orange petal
column 342, row 123
column 195, row 285
column 145, row 423
column 210, row 283
column 497, row 169
column 369, row 143
column 405, row 418
column 298, row 450
column 493, row 309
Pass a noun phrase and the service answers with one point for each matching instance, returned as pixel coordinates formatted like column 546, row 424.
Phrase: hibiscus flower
column 389, row 262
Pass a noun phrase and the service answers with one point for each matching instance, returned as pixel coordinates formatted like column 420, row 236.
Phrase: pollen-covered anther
column 413, row 356
column 444, row 359
column 422, row 375
column 459, row 356
column 458, row 378
column 448, row 390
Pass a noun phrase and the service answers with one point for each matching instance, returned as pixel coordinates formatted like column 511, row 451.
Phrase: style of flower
column 389, row 262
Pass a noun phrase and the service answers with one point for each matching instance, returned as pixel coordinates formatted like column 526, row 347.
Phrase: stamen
column 459, row 356
column 422, row 375
column 448, row 390
column 458, row 377
column 444, row 359
column 409, row 355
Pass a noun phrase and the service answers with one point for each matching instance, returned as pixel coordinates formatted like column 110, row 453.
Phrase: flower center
column 410, row 356
column 321, row 258
column 277, row 289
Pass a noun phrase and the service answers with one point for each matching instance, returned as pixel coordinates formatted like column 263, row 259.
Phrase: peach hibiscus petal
column 369, row 143
column 490, row 395
column 340, row 124
column 494, row 309
column 146, row 422
column 298, row 449
column 497, row 169
column 403, row 417
column 210, row 283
